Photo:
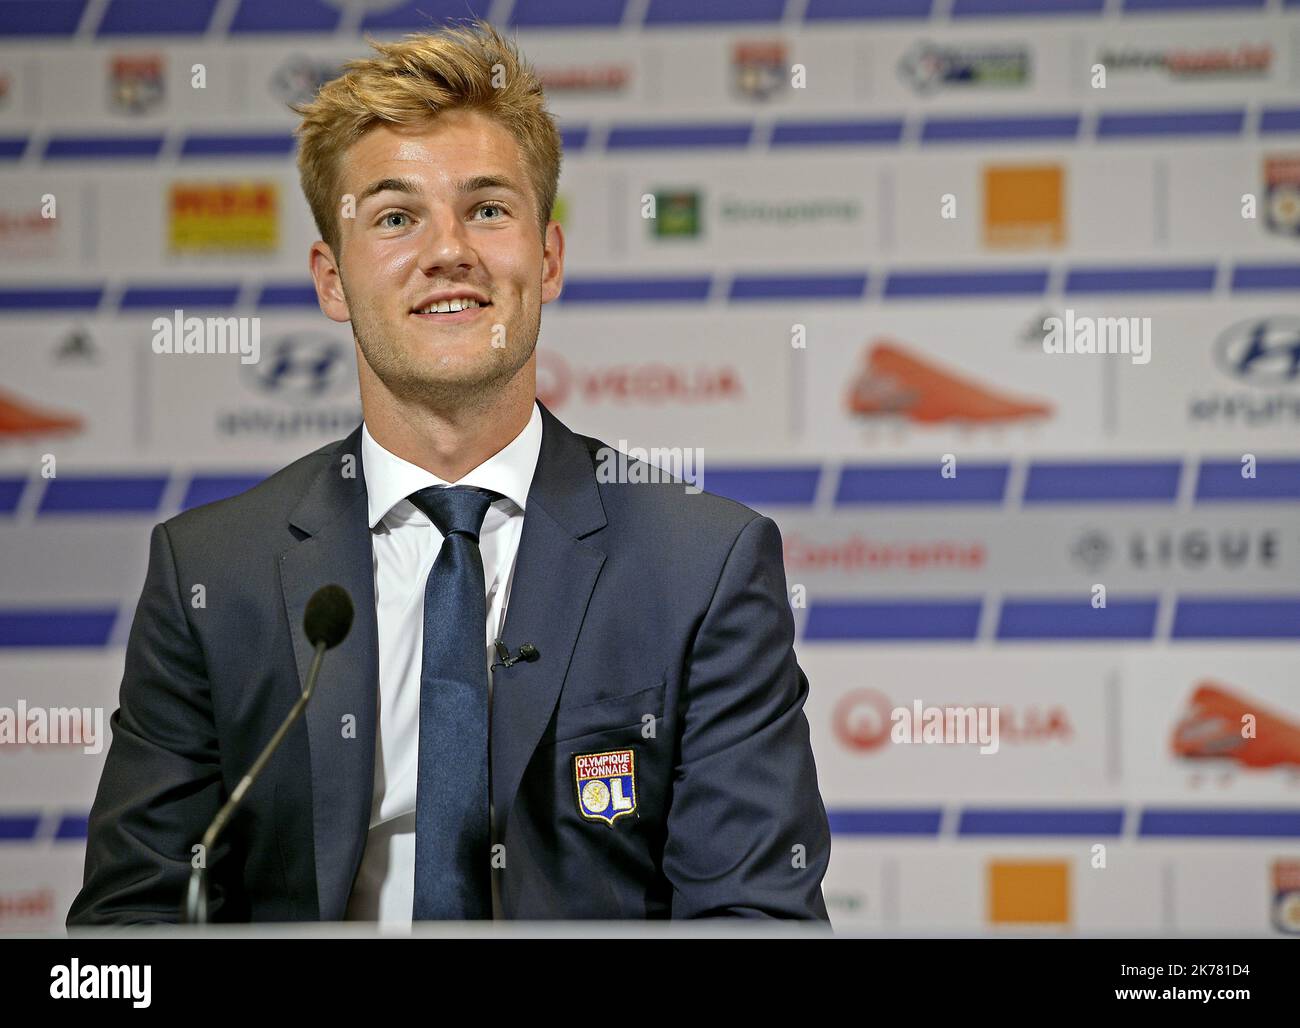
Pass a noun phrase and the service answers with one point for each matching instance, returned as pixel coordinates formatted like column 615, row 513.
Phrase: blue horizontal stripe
column 284, row 16
column 124, row 494
column 1184, row 279
column 1077, row 619
column 1222, row 481
column 574, row 137
column 1279, row 119
column 555, row 13
column 803, row 287
column 1128, row 124
column 793, row 486
column 46, row 18
column 156, row 17
column 56, row 628
column 68, row 148
column 12, row 147
column 19, row 827
column 864, row 484
column 984, row 129
column 285, row 294
column 82, row 298
column 811, row 133
column 981, row 8
column 1214, row 617
column 914, row 284
column 885, row 821
column 1277, row 822
column 669, row 12
column 1102, row 821
column 1133, row 6
column 851, row 284
column 635, row 290
column 166, row 299
column 424, row 15
column 1248, row 277
column 11, row 491
column 279, row 144
column 665, row 137
column 865, row 620
column 843, row 10
column 1148, row 481
column 72, row 827
column 210, row 488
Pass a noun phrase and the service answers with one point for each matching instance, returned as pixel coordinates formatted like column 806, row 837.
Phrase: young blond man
column 562, row 697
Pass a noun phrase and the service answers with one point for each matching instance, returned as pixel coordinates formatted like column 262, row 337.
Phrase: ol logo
column 606, row 784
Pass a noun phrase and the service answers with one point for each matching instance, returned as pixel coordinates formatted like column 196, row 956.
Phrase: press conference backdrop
column 865, row 212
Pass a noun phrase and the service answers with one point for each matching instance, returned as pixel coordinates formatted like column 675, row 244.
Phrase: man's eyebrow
column 389, row 185
column 478, row 182
column 470, row 185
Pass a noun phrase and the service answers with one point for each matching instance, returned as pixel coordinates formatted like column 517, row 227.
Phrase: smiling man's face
column 445, row 215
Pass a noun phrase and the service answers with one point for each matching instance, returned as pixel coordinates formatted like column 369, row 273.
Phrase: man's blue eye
column 394, row 214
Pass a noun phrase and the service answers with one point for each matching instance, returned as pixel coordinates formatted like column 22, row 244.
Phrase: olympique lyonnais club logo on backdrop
column 1286, row 896
column 135, row 83
column 760, row 70
column 606, row 784
column 1282, row 194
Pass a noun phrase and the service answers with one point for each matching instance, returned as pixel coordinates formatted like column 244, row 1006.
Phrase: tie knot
column 455, row 508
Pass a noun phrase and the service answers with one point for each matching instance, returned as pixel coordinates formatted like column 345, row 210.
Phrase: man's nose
column 445, row 243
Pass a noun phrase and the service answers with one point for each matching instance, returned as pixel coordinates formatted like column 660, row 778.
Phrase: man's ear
column 329, row 284
column 553, row 262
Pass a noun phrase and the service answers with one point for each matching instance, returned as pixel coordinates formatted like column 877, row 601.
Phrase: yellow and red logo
column 224, row 217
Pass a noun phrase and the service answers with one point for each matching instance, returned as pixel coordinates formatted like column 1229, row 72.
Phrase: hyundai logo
column 1261, row 351
column 304, row 366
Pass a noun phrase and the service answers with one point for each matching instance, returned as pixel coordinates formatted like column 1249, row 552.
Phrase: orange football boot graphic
column 896, row 383
column 1210, row 730
column 17, row 419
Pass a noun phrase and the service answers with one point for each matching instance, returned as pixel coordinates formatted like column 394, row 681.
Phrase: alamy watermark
column 1082, row 334
column 952, row 726
column 179, row 334
column 52, row 726
column 637, row 464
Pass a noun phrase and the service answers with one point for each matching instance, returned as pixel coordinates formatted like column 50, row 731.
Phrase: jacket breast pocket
column 609, row 714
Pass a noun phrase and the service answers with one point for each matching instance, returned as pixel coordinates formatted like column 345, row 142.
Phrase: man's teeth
column 449, row 307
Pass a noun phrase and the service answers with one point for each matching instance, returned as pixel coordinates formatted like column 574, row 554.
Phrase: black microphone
column 527, row 652
column 326, row 622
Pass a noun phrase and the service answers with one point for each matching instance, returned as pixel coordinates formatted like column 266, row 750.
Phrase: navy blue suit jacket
column 648, row 604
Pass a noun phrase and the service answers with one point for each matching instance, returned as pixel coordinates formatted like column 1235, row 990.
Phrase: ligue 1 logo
column 606, row 785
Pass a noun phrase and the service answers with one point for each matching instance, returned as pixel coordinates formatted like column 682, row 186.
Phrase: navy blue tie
column 452, row 840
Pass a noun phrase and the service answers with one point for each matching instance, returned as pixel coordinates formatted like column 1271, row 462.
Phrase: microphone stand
column 196, row 896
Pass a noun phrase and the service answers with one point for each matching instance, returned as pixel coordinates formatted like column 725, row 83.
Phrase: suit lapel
column 337, row 549
column 555, row 573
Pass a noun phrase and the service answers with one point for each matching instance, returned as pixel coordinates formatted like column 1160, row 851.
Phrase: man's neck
column 449, row 444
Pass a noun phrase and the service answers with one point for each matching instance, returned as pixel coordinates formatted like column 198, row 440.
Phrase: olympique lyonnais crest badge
column 606, row 784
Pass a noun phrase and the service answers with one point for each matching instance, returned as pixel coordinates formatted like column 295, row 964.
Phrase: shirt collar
column 390, row 480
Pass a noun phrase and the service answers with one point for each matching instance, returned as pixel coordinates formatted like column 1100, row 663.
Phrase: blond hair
column 409, row 82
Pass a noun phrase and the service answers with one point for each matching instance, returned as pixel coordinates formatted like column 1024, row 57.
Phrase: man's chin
column 450, row 381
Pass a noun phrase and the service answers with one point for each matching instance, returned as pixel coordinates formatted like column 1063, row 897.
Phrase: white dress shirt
column 405, row 544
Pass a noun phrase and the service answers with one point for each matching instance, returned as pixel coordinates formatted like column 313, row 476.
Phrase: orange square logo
column 1024, row 206
column 1029, row 892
